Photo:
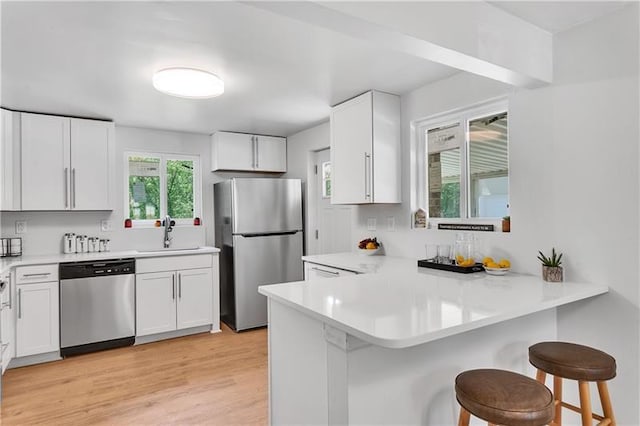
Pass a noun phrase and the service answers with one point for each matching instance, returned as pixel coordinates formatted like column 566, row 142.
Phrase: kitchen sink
column 161, row 250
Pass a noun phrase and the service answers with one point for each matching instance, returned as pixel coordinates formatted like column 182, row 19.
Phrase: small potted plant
column 506, row 224
column 551, row 269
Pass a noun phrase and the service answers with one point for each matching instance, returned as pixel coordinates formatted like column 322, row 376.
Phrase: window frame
column 164, row 156
column 463, row 116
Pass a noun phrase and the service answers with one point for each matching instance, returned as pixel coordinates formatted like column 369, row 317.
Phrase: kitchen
column 558, row 130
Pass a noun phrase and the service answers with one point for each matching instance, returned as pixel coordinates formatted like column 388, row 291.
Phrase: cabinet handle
column 253, row 152
column 19, row 303
column 173, row 286
column 66, row 187
column 179, row 285
column 73, row 193
column 257, row 154
column 42, row 274
column 325, row 271
column 367, row 183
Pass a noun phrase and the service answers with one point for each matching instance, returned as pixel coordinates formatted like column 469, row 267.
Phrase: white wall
column 574, row 162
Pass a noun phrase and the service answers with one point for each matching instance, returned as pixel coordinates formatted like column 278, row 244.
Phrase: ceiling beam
column 475, row 37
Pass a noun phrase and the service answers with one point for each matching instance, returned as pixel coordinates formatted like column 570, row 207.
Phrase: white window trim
column 462, row 115
column 164, row 156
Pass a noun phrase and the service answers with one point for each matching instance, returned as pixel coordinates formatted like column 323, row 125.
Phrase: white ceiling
column 281, row 76
column 96, row 59
column 557, row 16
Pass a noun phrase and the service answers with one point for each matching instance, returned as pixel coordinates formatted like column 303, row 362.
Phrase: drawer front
column 314, row 271
column 37, row 274
column 173, row 263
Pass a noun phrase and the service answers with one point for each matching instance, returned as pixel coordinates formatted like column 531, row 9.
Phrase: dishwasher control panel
column 97, row 268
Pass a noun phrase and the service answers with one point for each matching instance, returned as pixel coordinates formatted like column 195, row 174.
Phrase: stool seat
column 572, row 361
column 503, row 397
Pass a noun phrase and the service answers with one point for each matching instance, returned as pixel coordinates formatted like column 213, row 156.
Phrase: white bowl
column 496, row 271
column 368, row 252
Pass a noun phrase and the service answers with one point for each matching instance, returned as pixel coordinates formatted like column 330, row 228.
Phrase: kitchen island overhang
column 385, row 348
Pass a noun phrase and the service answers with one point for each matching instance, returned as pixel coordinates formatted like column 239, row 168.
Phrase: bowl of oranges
column 369, row 246
column 492, row 267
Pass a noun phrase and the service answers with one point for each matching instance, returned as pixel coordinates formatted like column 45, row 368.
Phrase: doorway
column 332, row 233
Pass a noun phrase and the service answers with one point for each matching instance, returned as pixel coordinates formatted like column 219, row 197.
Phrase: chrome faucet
column 168, row 227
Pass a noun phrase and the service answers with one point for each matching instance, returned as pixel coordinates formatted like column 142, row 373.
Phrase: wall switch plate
column 21, row 226
column 391, row 223
column 371, row 224
column 105, row 225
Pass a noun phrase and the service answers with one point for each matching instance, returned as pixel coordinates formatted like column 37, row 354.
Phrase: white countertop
column 402, row 305
column 11, row 262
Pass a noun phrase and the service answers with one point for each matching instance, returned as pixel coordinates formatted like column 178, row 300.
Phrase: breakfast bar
column 385, row 346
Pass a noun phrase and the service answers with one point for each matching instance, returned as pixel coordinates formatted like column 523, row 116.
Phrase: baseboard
column 141, row 340
column 34, row 359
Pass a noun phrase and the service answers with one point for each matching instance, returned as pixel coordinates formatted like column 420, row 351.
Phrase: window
column 161, row 184
column 326, row 179
column 467, row 162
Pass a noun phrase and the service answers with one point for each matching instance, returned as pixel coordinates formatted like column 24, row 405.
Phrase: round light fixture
column 188, row 83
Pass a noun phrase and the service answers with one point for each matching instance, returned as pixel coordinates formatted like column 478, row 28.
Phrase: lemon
column 492, row 265
column 487, row 260
column 504, row 263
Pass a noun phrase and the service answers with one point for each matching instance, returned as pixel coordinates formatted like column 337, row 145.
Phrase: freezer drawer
column 262, row 260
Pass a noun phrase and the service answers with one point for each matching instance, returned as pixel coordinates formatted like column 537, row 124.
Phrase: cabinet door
column 37, row 324
column 10, row 161
column 45, row 162
column 91, row 164
column 271, row 154
column 155, row 303
column 351, row 151
column 314, row 271
column 7, row 324
column 232, row 151
column 194, row 298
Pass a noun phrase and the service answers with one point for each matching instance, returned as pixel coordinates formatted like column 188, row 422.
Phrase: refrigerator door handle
column 268, row 234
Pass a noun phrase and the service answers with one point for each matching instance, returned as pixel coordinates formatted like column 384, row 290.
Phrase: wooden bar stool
column 502, row 397
column 576, row 362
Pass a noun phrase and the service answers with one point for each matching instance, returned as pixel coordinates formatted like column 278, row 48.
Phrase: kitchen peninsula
column 384, row 345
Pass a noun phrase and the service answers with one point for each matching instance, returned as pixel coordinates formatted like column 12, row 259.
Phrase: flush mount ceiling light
column 188, row 83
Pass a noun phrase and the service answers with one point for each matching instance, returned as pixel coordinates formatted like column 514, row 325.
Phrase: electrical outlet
column 371, row 224
column 105, row 225
column 391, row 223
column 21, row 226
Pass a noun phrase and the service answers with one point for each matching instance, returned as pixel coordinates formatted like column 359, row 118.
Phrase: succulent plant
column 553, row 261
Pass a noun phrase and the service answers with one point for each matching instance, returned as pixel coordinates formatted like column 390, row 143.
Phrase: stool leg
column 603, row 390
column 585, row 403
column 541, row 376
column 557, row 396
column 464, row 418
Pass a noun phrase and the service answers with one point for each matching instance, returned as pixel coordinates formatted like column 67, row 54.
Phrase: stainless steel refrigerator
column 258, row 227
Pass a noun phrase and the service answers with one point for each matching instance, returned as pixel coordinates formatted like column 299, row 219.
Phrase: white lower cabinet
column 194, row 298
column 37, row 319
column 7, row 322
column 313, row 271
column 176, row 300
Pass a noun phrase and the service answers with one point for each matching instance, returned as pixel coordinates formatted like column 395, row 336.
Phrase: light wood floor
column 213, row 379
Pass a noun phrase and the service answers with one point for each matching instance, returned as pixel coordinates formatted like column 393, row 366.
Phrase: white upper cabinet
column 91, row 164
column 10, row 161
column 245, row 152
column 365, row 150
column 66, row 163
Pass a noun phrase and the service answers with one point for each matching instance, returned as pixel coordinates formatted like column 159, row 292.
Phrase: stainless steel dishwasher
column 97, row 305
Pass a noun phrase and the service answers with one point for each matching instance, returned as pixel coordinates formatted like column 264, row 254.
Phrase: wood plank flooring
column 212, row 379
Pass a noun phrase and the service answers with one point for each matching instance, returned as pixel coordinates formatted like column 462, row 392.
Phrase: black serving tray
column 425, row 263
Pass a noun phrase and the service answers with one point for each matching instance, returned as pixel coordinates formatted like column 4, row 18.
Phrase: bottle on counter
column 69, row 243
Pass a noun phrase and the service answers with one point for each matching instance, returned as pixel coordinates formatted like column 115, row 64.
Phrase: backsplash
column 46, row 229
